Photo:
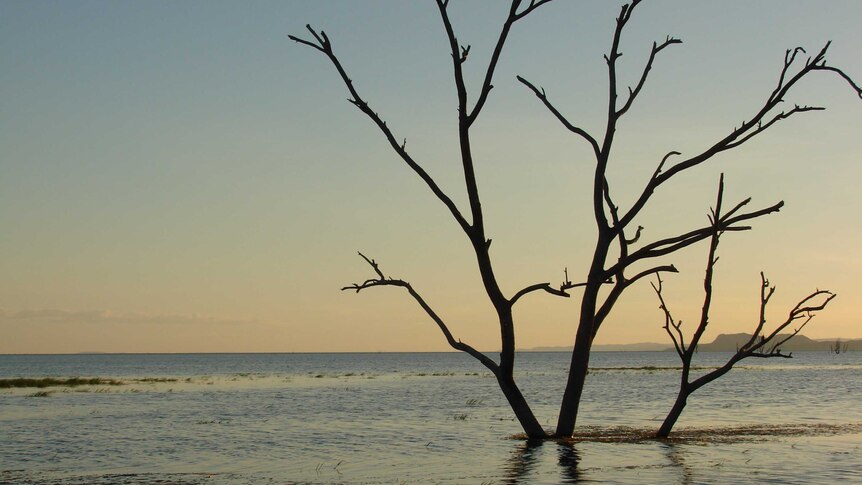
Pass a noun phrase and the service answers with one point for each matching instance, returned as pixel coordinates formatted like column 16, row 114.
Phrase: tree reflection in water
column 524, row 458
column 568, row 459
column 675, row 454
column 521, row 462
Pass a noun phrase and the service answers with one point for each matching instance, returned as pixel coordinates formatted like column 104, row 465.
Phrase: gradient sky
column 180, row 177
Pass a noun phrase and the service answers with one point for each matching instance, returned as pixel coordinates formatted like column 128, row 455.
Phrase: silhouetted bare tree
column 612, row 222
column 762, row 343
column 474, row 227
column 615, row 225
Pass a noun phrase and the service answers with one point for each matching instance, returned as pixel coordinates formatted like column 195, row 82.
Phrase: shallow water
column 405, row 418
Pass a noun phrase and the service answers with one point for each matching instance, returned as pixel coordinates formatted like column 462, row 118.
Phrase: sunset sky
column 181, row 177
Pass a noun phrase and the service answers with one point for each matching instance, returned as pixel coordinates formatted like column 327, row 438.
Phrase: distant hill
column 729, row 342
column 726, row 342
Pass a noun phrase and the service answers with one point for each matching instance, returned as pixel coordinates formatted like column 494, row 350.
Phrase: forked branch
column 622, row 284
column 633, row 93
column 662, row 247
column 459, row 55
column 322, row 44
column 769, row 345
column 761, row 343
column 542, row 287
column 382, row 280
column 761, row 127
column 559, row 291
column 672, row 326
column 756, row 124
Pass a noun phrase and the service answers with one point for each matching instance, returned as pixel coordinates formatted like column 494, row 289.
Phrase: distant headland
column 726, row 342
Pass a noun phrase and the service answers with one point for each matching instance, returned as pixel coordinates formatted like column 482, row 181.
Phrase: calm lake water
column 430, row 418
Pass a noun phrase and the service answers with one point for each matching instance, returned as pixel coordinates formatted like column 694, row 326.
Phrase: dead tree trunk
column 521, row 408
column 579, row 366
column 674, row 414
column 760, row 344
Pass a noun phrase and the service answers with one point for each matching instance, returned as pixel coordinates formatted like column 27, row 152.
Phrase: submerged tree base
column 719, row 434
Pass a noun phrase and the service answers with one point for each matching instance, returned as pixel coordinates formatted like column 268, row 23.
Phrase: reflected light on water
column 393, row 418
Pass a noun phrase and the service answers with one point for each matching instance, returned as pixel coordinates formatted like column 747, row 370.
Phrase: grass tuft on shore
column 158, row 379
column 43, row 382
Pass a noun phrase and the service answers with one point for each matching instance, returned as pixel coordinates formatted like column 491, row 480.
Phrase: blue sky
column 182, row 177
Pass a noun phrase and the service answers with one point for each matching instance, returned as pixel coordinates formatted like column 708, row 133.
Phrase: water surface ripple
column 426, row 418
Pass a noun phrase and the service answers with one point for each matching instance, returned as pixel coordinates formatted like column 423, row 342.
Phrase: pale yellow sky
column 189, row 180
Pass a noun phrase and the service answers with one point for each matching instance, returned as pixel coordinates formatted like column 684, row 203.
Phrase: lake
column 422, row 417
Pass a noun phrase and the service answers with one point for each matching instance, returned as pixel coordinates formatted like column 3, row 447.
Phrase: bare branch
column 514, row 16
column 766, row 293
column 630, row 215
column 789, row 57
column 780, row 116
column 615, row 221
column 633, row 93
column 534, row 4
column 539, row 286
column 727, row 215
column 319, row 45
column 754, row 126
column 465, row 51
column 569, row 285
column 841, row 73
column 382, row 280
column 636, row 236
column 540, row 93
column 603, row 153
column 671, row 326
column 561, row 291
column 671, row 244
column 658, row 269
column 373, row 265
column 710, row 269
column 622, row 283
column 804, row 310
column 466, row 118
column 325, row 46
column 459, row 57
